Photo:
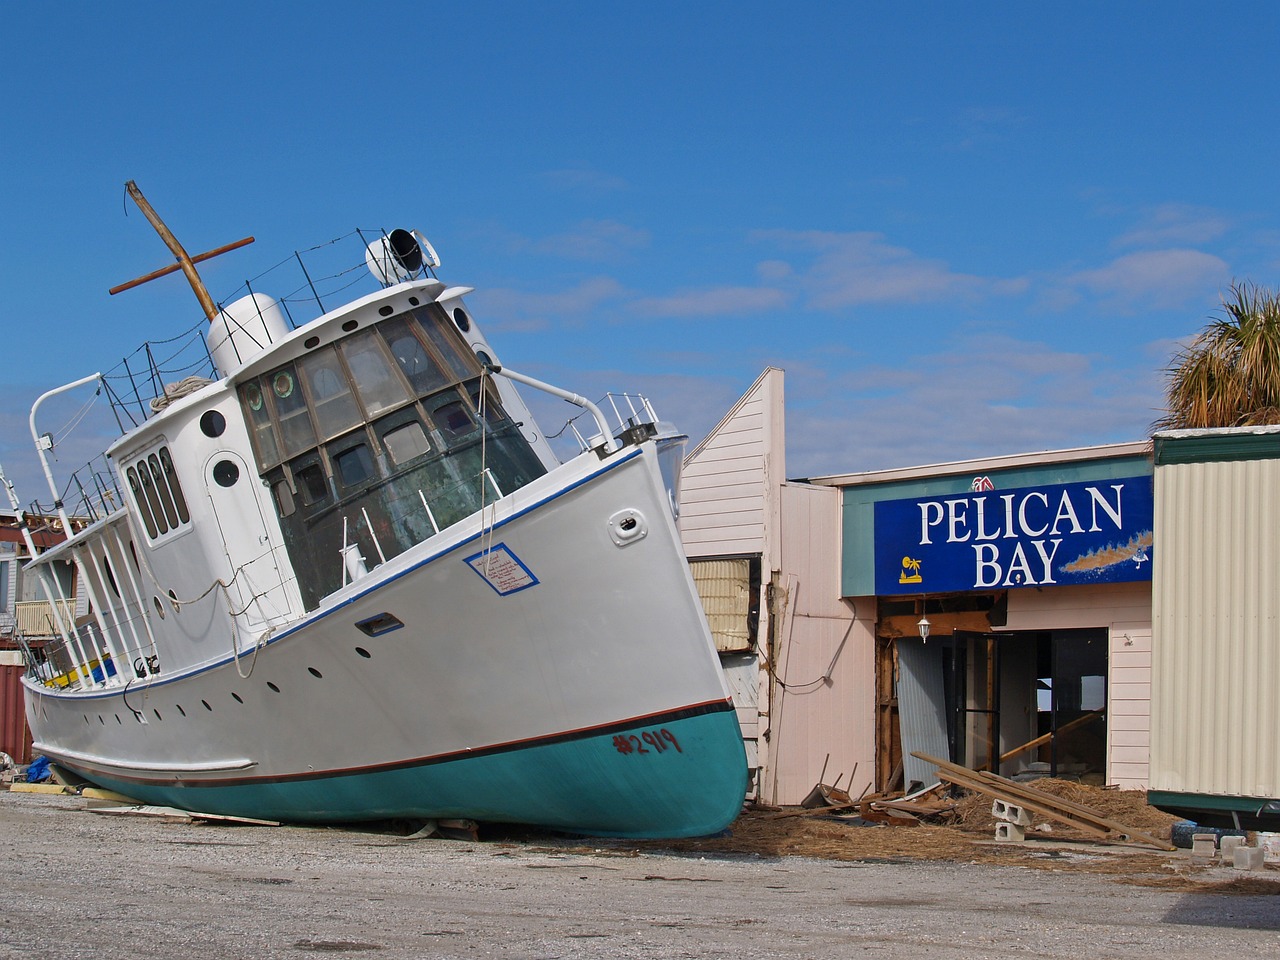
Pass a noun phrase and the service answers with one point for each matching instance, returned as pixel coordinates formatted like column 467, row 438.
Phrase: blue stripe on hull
column 680, row 778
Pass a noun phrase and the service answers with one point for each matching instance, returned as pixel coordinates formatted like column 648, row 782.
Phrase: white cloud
column 979, row 397
column 711, row 301
column 848, row 269
column 600, row 240
column 1176, row 224
column 512, row 310
column 1154, row 279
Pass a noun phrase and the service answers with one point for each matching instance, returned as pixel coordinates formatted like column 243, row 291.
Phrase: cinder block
column 1249, row 858
column 1228, row 846
column 1010, row 832
column 1204, row 846
column 1011, row 812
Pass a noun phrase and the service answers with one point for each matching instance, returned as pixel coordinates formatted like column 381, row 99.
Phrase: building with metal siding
column 1215, row 697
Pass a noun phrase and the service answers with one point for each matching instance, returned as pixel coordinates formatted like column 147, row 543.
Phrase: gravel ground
column 79, row 884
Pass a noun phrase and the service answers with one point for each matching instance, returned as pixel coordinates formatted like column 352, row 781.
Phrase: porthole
column 101, row 721
column 364, row 653
column 350, row 325
column 484, row 358
column 212, row 423
column 311, row 342
column 118, row 720
column 314, row 672
column 387, row 311
column 206, row 705
column 225, row 473
column 236, row 698
column 178, row 706
column 159, row 606
column 86, row 717
column 461, row 319
column 157, row 713
column 414, row 301
column 273, row 687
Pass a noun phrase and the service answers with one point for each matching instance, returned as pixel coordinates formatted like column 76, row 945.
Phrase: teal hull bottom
column 677, row 775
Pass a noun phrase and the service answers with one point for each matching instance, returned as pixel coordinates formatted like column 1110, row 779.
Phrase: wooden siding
column 728, row 497
column 1125, row 610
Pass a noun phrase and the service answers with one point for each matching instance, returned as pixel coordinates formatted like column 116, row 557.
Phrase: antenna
column 185, row 263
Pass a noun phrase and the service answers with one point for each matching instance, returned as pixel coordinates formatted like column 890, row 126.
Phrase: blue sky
column 960, row 231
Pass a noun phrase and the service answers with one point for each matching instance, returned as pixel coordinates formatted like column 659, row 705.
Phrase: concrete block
column 1204, row 846
column 1249, row 858
column 1227, row 846
column 1010, row 812
column 1010, row 832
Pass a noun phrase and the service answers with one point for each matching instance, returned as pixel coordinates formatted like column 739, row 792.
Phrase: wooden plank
column 1056, row 808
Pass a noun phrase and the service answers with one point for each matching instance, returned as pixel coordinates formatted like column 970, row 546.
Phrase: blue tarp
column 38, row 772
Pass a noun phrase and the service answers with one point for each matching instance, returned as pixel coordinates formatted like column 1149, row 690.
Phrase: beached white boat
column 344, row 577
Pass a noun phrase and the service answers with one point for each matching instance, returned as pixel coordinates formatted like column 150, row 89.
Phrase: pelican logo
column 910, row 571
column 982, row 484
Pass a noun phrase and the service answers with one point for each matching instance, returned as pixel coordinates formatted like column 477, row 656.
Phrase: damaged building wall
column 822, row 690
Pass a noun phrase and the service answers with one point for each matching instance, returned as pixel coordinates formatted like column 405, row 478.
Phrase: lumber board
column 1064, row 811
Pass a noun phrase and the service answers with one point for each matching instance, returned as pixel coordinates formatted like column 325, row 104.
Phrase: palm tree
column 1229, row 376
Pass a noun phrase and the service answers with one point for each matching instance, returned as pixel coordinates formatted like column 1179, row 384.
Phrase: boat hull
column 549, row 665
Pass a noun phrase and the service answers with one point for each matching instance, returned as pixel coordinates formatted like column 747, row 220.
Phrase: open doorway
column 1029, row 703
column 1025, row 704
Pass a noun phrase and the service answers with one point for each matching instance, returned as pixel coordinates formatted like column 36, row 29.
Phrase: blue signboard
column 1051, row 535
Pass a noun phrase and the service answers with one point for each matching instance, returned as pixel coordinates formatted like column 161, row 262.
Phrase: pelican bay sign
column 1051, row 535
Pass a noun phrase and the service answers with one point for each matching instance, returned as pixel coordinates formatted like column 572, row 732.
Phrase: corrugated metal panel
column 1216, row 608
column 725, row 589
column 15, row 740
column 920, row 709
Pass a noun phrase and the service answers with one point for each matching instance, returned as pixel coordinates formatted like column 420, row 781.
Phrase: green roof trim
column 1217, row 447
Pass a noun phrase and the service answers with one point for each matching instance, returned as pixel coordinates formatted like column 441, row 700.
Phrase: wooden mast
column 185, row 263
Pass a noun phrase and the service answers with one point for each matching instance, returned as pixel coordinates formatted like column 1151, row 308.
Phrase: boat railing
column 630, row 410
column 305, row 284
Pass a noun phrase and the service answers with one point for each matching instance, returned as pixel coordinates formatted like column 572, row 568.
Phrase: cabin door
column 253, row 570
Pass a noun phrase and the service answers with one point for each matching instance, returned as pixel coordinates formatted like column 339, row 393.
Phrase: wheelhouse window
column 376, row 381
column 375, row 440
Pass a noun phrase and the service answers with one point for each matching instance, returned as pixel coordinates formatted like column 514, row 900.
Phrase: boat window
column 291, row 408
column 263, row 430
column 144, row 506
column 111, row 575
column 379, row 386
column 354, row 465
column 157, row 493
column 452, row 416
column 153, row 498
column 422, row 372
column 175, row 488
column 405, row 442
column 485, row 402
column 334, row 405
column 162, row 490
column 442, row 335
column 310, row 481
